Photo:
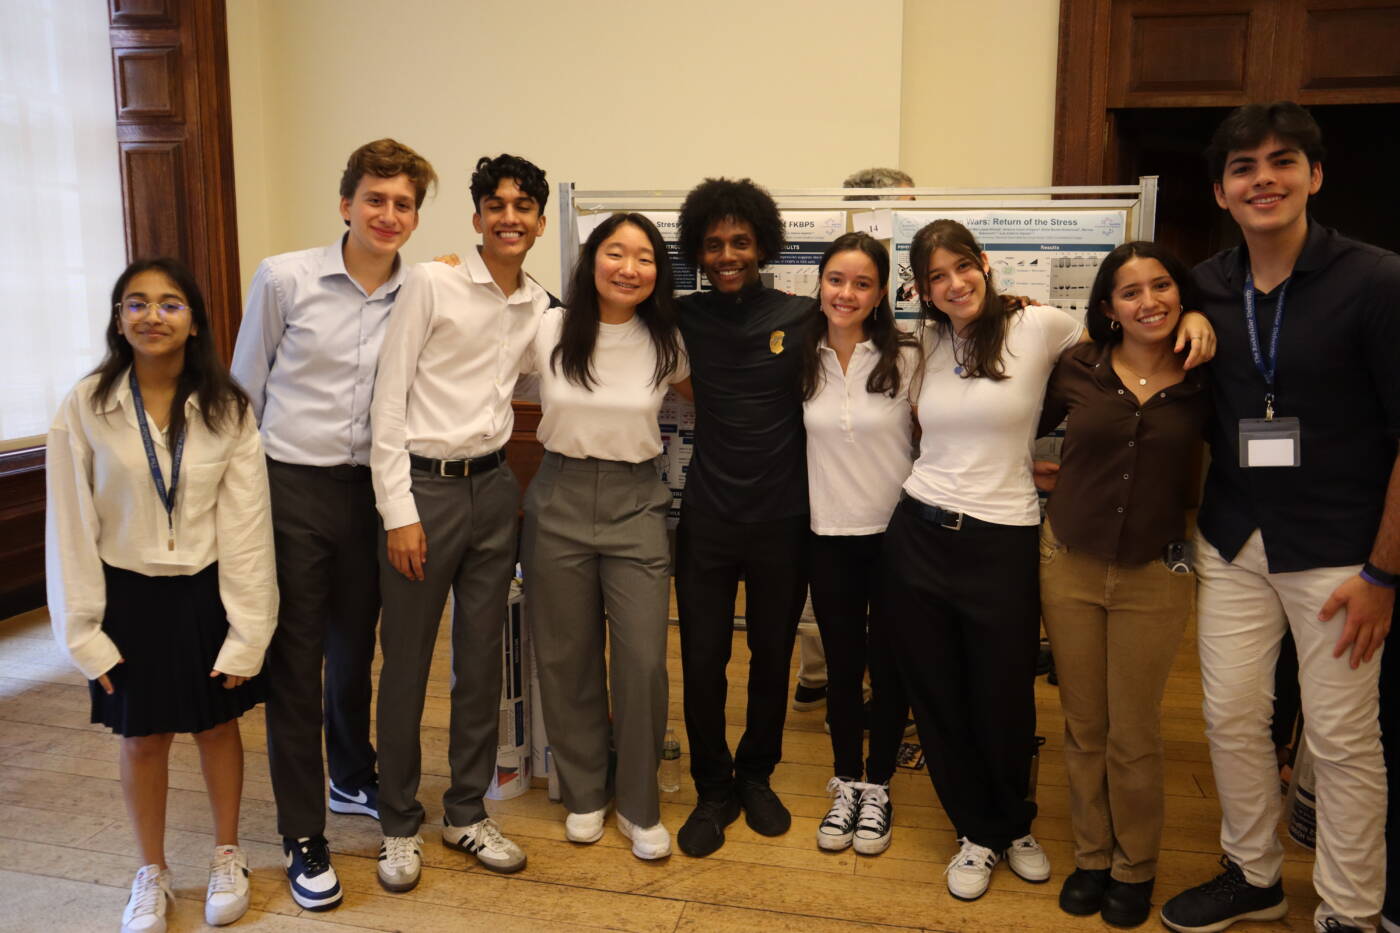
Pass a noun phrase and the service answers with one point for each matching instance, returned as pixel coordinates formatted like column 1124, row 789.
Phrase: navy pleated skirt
column 169, row 631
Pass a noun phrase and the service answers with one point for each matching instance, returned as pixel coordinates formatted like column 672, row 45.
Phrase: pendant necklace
column 1142, row 380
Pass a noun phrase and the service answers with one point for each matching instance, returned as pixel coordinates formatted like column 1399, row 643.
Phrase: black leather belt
column 458, row 467
column 943, row 518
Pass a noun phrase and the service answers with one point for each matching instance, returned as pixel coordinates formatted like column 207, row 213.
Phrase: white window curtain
column 61, row 240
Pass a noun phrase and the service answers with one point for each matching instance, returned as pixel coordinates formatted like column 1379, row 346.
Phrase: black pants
column 711, row 554
column 1390, row 740
column 847, row 598
column 326, row 532
column 966, row 610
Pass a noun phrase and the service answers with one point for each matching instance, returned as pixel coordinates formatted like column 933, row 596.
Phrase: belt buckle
column 442, row 468
column 957, row 523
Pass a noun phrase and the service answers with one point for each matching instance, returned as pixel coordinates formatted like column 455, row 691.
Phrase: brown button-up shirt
column 1125, row 469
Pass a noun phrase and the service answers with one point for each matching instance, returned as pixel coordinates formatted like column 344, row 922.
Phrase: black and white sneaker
column 835, row 832
column 1215, row 905
column 309, row 873
column 360, row 800
column 970, row 871
column 875, row 823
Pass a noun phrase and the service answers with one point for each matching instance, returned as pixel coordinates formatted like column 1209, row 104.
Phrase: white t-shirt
column 975, row 456
column 859, row 443
column 615, row 418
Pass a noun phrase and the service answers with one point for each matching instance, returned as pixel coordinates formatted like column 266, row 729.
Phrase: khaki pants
column 1114, row 630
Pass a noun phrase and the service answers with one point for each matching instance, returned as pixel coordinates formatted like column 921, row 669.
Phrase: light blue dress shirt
column 307, row 352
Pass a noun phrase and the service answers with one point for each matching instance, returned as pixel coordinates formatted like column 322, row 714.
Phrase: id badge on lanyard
column 1269, row 441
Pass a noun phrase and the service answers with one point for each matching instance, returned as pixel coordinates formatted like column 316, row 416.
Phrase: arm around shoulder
column 407, row 333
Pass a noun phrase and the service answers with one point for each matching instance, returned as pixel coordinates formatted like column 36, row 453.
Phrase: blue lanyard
column 167, row 499
column 1267, row 368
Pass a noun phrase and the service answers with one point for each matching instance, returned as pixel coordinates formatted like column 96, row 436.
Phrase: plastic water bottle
column 670, row 773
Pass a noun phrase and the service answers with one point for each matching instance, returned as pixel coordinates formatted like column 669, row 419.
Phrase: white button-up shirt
column 306, row 355
column 447, row 371
column 859, row 443
column 103, row 508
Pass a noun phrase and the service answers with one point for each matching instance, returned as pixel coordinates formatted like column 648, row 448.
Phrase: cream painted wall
column 791, row 92
column 978, row 106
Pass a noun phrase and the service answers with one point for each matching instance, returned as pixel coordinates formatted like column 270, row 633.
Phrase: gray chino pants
column 594, row 540
column 470, row 523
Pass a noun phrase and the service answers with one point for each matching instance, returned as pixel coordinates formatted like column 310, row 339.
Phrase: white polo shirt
column 975, row 455
column 859, row 443
column 615, row 418
column 447, row 372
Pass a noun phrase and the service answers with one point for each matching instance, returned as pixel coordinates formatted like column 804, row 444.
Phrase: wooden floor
column 70, row 857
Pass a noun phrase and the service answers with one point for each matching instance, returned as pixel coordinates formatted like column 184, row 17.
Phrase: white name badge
column 1270, row 442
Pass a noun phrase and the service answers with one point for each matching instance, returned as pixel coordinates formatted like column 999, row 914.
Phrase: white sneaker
column 150, row 895
column 1028, row 860
column 874, row 826
column 484, row 840
column 400, row 863
column 648, row 842
column 227, row 897
column 970, row 871
column 585, row 827
column 835, row 832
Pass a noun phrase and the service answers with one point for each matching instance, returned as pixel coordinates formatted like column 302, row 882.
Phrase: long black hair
column 1101, row 294
column 204, row 375
column 879, row 326
column 579, row 333
column 981, row 354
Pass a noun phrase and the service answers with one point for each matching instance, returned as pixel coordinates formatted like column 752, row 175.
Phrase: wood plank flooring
column 70, row 856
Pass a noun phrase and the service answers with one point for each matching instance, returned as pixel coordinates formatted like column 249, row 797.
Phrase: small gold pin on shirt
column 775, row 341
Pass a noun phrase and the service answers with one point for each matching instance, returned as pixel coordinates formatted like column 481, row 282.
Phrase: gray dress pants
column 594, row 540
column 470, row 523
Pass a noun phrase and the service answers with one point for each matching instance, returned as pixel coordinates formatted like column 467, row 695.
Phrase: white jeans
column 1241, row 615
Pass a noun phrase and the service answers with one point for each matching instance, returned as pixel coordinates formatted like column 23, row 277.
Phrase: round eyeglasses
column 135, row 309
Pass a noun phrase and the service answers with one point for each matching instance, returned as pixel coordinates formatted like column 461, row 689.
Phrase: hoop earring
column 1114, row 325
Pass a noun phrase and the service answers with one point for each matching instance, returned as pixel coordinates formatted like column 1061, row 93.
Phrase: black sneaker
column 1127, row 904
column 359, row 800
column 763, row 811
column 806, row 698
column 1213, row 906
column 703, row 831
column 1082, row 892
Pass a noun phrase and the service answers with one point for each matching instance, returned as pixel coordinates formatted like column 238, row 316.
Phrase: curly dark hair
column 204, row 376
column 1101, row 293
column 491, row 172
column 717, row 199
column 1248, row 126
column 579, row 334
column 879, row 327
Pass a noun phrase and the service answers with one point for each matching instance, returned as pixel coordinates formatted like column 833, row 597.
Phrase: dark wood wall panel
column 1122, row 56
column 147, row 83
column 155, row 205
column 144, row 12
column 1350, row 49
column 1170, row 53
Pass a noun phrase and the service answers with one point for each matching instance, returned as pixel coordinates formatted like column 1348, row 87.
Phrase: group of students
column 370, row 402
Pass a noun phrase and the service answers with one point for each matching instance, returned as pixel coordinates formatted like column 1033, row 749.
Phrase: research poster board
column 1047, row 255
